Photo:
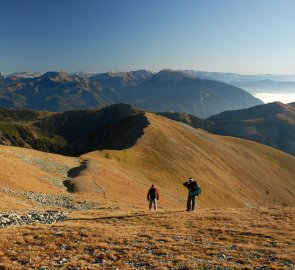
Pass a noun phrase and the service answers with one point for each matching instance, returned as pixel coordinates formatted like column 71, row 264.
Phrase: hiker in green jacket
column 193, row 190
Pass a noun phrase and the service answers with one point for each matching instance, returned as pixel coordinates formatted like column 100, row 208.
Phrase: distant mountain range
column 235, row 77
column 251, row 83
column 166, row 90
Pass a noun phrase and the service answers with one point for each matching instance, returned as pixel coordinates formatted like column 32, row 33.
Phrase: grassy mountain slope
column 77, row 132
column 17, row 128
column 189, row 119
column 272, row 124
column 232, row 172
column 26, row 170
column 73, row 132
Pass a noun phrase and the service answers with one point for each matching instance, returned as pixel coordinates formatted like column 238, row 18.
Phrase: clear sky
column 248, row 37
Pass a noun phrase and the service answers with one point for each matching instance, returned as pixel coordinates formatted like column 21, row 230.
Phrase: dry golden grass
column 20, row 169
column 235, row 238
column 232, row 172
column 29, row 170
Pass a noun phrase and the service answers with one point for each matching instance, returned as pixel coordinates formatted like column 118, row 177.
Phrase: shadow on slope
column 73, row 173
column 119, row 135
column 74, row 132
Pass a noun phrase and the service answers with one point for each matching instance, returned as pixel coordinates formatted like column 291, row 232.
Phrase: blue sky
column 247, row 37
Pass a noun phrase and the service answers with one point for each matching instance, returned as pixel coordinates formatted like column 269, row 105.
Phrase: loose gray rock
column 46, row 217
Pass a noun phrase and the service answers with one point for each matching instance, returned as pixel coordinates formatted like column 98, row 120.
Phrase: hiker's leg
column 188, row 205
column 150, row 204
column 155, row 204
column 193, row 202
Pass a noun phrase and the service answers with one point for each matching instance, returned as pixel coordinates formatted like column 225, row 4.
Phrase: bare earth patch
column 233, row 238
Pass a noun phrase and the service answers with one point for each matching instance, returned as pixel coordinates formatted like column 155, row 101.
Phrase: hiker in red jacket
column 152, row 197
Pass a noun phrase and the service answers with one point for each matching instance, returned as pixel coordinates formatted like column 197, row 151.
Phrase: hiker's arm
column 158, row 195
column 185, row 184
column 148, row 195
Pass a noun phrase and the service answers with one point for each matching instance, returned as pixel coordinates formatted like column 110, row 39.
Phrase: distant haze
column 271, row 97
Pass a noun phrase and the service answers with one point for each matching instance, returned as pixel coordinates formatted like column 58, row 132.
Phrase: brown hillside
column 272, row 124
column 25, row 170
column 232, row 172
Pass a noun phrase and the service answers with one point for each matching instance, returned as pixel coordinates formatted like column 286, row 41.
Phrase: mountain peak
column 277, row 106
column 122, row 79
column 83, row 74
column 58, row 76
column 24, row 75
column 172, row 75
column 124, row 74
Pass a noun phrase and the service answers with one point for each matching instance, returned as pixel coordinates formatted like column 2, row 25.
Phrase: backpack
column 195, row 190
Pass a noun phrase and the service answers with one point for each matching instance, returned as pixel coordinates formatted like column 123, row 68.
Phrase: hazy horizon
column 154, row 71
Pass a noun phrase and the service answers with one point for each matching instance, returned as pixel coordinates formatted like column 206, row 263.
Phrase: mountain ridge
column 233, row 172
column 272, row 124
column 73, row 132
column 172, row 90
